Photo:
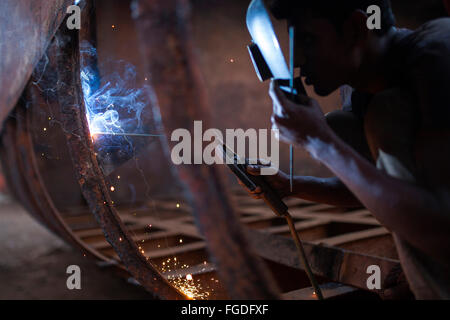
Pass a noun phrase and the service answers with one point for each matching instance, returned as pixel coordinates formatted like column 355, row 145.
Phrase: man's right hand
column 279, row 182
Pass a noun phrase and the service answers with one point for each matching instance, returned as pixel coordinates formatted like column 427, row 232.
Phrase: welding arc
column 126, row 134
column 302, row 256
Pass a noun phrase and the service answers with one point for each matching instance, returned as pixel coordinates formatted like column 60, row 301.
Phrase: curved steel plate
column 26, row 28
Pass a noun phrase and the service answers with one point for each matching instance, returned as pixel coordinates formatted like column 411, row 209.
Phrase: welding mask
column 266, row 52
column 268, row 59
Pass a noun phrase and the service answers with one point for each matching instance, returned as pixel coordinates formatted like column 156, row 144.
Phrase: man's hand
column 298, row 124
column 279, row 182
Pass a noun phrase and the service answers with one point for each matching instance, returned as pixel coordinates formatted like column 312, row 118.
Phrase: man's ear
column 355, row 31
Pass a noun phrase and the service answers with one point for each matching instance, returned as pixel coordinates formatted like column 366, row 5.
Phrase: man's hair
column 336, row 11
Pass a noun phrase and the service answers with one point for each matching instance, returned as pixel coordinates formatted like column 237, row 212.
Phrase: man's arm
column 419, row 215
column 322, row 190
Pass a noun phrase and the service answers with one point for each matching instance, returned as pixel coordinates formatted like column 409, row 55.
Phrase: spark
column 192, row 289
column 189, row 295
column 178, row 205
column 112, row 189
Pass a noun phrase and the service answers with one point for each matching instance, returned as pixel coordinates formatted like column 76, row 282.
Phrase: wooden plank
column 103, row 244
column 329, row 291
column 354, row 236
column 173, row 251
column 301, row 225
column 335, row 264
column 172, row 225
column 194, row 270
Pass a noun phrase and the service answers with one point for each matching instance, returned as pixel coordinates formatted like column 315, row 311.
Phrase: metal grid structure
column 169, row 239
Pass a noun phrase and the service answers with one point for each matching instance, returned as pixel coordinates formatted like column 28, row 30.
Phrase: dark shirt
column 418, row 63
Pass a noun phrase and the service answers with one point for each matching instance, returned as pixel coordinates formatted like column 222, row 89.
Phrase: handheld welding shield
column 265, row 50
column 269, row 62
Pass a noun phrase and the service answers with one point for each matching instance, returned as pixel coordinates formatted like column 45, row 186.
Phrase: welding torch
column 271, row 198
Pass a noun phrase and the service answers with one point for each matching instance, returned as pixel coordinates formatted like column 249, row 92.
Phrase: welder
column 389, row 146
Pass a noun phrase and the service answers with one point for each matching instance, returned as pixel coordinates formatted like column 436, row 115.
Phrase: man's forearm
column 407, row 209
column 324, row 190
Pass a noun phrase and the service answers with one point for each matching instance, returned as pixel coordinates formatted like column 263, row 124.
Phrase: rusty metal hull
column 180, row 94
column 26, row 29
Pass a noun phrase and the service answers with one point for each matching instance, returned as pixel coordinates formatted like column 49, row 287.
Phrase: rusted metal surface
column 38, row 100
column 164, row 32
column 13, row 173
column 63, row 63
column 15, row 150
column 34, row 196
column 26, row 29
column 64, row 54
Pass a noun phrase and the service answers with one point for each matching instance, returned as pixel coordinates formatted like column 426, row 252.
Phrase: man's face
column 321, row 54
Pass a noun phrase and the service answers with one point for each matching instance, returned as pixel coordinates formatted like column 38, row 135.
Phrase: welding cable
column 302, row 256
